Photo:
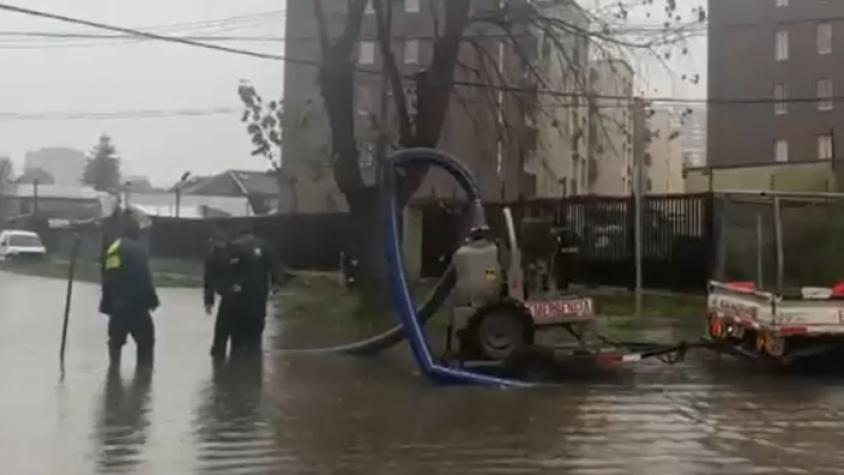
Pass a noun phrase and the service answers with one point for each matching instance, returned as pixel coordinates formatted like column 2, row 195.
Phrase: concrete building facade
column 520, row 160
column 611, row 127
column 774, row 71
column 664, row 152
column 561, row 164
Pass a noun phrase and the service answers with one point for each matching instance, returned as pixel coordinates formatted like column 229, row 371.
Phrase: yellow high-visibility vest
column 112, row 260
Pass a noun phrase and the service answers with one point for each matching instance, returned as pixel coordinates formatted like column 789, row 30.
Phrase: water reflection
column 326, row 415
column 123, row 421
column 230, row 422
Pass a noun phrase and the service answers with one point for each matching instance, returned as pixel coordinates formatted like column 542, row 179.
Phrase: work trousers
column 138, row 324
column 241, row 323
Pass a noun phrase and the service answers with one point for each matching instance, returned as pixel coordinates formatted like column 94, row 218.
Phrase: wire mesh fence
column 804, row 249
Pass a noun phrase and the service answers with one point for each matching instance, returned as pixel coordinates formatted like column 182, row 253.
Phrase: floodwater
column 343, row 415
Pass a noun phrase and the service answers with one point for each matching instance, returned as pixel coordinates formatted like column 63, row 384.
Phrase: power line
column 49, row 39
column 226, row 49
column 153, row 36
column 620, row 102
column 247, row 38
column 114, row 115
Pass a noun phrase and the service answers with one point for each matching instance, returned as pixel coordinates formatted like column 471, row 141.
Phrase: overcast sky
column 41, row 76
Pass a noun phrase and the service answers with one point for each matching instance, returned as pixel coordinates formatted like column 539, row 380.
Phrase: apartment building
column 471, row 124
column 693, row 136
column 560, row 163
column 774, row 73
column 518, row 160
column 663, row 159
column 611, row 127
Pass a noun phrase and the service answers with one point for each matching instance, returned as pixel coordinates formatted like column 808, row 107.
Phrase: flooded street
column 298, row 414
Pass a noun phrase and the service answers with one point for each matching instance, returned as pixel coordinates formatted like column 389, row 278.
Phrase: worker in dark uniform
column 219, row 281
column 253, row 267
column 241, row 272
column 128, row 295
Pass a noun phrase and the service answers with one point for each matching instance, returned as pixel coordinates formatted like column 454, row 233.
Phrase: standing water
column 334, row 414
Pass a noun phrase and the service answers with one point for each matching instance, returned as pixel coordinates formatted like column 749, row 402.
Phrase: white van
column 15, row 243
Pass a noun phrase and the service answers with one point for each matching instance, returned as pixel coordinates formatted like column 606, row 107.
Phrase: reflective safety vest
column 112, row 260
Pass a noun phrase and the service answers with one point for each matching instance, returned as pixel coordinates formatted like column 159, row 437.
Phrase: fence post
column 778, row 237
column 710, row 235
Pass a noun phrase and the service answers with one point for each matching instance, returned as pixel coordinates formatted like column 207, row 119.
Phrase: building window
column 411, row 6
column 780, row 94
column 781, row 46
column 781, row 151
column 825, row 38
column 366, row 55
column 411, row 52
column 782, row 3
column 825, row 94
column 825, row 147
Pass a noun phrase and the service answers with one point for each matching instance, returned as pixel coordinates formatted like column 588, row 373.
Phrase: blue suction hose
column 399, row 287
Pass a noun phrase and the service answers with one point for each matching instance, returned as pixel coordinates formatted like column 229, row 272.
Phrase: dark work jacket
column 127, row 286
column 241, row 273
column 218, row 278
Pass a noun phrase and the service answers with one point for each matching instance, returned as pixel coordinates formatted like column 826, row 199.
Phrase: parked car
column 21, row 244
column 607, row 232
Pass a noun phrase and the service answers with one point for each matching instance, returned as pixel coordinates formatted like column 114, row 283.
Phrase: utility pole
column 5, row 169
column 35, row 196
column 639, row 139
column 127, row 191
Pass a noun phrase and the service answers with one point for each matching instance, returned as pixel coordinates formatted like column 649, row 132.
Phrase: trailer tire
column 498, row 330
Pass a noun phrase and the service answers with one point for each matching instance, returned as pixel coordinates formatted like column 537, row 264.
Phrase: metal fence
column 677, row 231
column 781, row 241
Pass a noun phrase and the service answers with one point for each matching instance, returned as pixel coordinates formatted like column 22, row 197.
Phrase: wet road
column 341, row 415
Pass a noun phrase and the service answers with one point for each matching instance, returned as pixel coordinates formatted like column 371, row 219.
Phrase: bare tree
column 482, row 52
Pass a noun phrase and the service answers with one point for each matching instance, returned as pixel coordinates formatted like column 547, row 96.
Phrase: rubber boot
column 145, row 356
column 218, row 353
column 114, row 354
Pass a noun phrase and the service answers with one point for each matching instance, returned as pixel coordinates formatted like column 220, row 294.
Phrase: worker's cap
column 137, row 217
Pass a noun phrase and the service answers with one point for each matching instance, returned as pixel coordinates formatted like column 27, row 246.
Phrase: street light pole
column 639, row 137
column 178, row 190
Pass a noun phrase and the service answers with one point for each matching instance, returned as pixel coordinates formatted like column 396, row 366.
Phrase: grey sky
column 131, row 76
column 41, row 76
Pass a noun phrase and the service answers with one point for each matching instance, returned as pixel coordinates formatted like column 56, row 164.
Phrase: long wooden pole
column 71, row 274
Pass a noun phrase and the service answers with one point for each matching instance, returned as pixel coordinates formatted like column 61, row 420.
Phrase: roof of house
column 234, row 183
column 59, row 192
column 164, row 204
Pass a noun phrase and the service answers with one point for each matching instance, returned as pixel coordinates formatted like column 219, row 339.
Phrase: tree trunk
column 337, row 80
column 367, row 212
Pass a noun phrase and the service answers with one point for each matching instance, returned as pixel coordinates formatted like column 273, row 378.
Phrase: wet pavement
column 301, row 414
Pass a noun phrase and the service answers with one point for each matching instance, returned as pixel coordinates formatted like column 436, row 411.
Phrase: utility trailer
column 786, row 327
column 787, row 243
column 510, row 313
